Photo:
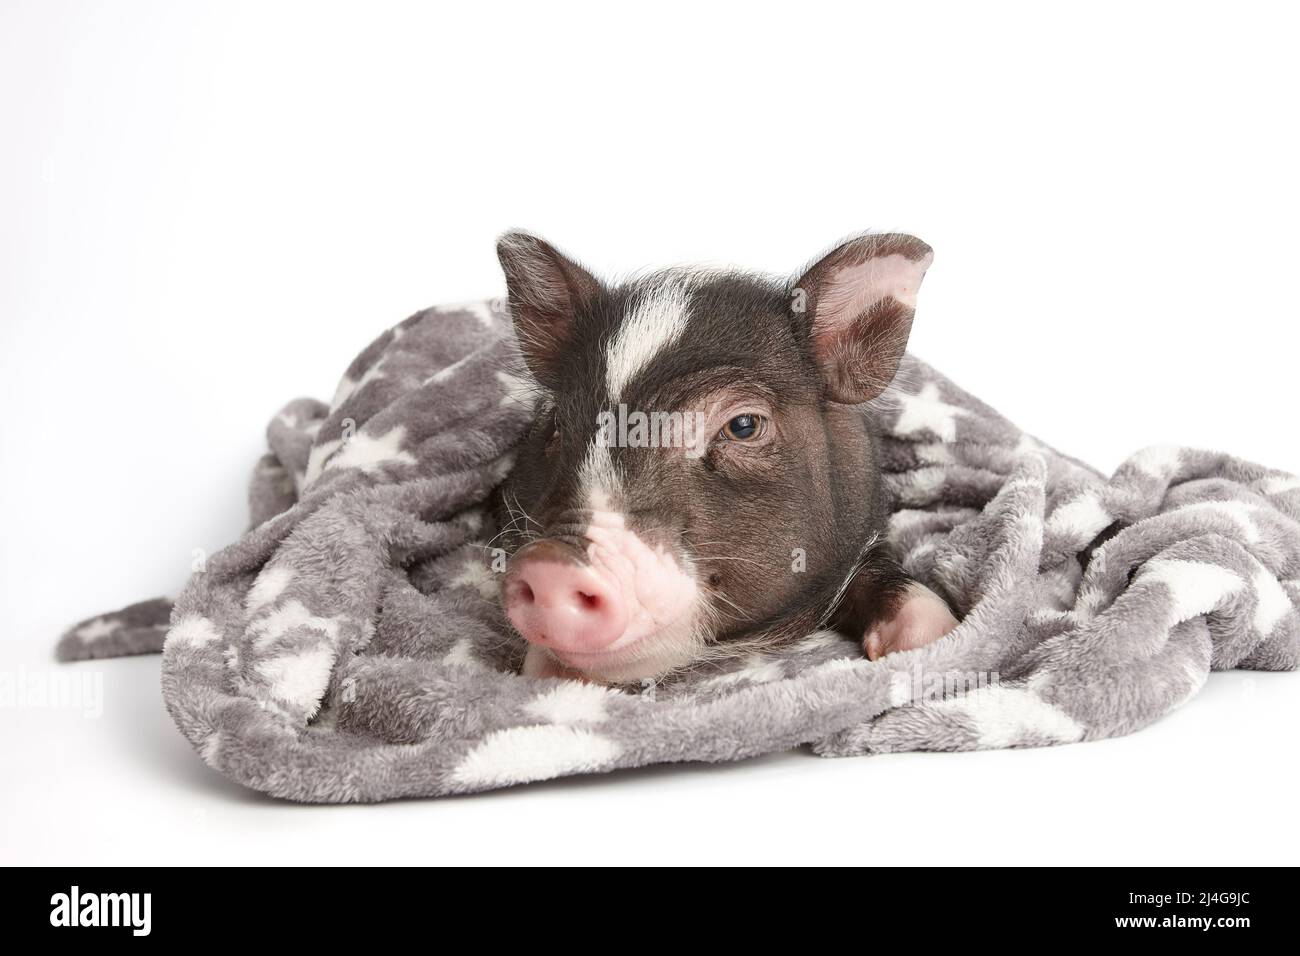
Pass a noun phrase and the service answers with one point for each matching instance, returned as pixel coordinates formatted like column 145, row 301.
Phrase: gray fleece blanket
column 350, row 647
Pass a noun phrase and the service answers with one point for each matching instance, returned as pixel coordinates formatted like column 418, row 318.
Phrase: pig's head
column 697, row 476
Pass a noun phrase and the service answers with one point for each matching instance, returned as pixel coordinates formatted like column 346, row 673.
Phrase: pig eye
column 743, row 428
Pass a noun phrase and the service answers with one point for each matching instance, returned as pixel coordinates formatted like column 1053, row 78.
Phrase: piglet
column 701, row 474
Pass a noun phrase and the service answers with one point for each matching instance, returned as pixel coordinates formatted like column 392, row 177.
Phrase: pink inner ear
column 851, row 291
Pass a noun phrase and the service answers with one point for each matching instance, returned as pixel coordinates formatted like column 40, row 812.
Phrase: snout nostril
column 556, row 599
column 520, row 591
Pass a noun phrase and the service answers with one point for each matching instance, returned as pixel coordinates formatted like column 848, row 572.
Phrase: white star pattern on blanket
column 927, row 411
column 369, row 452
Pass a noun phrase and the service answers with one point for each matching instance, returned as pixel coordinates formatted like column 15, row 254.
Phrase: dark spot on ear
column 715, row 579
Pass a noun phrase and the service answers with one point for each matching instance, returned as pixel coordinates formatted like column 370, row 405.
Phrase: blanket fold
column 349, row 647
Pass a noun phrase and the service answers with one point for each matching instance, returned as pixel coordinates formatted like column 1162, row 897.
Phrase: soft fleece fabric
column 349, row 647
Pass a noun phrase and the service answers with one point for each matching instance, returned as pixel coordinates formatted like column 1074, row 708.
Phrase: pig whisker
column 701, row 555
column 524, row 536
column 711, row 544
column 512, row 526
column 848, row 580
column 516, row 514
column 728, row 557
column 488, row 545
column 517, row 507
column 730, row 603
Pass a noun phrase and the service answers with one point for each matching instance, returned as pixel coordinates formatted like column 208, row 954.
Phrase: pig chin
column 649, row 658
column 618, row 611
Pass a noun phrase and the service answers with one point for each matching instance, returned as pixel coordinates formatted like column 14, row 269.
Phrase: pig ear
column 859, row 300
column 545, row 290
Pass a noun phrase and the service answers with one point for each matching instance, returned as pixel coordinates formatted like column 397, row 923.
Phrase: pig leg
column 890, row 611
column 920, row 618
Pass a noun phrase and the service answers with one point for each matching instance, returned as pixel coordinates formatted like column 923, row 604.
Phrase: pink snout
column 556, row 600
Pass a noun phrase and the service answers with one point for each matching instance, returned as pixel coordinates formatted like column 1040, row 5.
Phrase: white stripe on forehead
column 654, row 322
column 598, row 478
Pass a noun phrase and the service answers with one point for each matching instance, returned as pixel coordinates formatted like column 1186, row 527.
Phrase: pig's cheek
column 921, row 619
column 663, row 588
column 658, row 591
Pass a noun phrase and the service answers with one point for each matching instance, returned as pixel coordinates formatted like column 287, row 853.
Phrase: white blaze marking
column 656, row 321
column 598, row 478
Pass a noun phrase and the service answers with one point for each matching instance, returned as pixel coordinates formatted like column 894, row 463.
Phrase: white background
column 207, row 210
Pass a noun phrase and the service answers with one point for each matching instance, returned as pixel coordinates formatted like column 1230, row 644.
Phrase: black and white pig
column 761, row 518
